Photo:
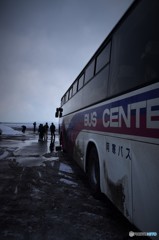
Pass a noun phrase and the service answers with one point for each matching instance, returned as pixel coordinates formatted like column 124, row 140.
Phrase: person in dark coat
column 46, row 127
column 23, row 129
column 34, row 124
column 52, row 130
column 41, row 132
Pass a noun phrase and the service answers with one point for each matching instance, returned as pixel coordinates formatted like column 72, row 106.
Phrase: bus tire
column 94, row 172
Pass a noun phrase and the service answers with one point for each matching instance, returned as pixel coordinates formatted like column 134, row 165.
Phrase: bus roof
column 108, row 37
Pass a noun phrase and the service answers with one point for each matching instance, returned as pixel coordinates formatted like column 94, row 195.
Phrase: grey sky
column 44, row 44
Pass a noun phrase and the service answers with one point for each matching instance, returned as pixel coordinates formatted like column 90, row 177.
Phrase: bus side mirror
column 58, row 112
column 56, row 115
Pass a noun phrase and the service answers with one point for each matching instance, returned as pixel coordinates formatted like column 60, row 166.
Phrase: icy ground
column 45, row 196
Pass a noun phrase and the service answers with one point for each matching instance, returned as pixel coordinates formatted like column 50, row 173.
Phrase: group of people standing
column 43, row 131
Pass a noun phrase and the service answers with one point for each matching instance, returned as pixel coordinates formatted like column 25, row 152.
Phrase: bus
column 109, row 116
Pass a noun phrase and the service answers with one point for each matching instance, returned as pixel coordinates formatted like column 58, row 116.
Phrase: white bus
column 110, row 116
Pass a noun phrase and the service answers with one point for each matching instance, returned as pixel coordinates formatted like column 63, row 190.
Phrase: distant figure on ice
column 34, row 124
column 41, row 132
column 52, row 130
column 23, row 129
column 46, row 127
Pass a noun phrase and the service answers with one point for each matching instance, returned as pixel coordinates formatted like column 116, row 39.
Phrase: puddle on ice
column 64, row 175
column 68, row 182
column 50, row 158
column 30, row 161
column 65, row 168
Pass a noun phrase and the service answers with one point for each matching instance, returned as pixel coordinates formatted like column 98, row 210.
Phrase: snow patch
column 68, row 182
column 9, row 131
column 65, row 168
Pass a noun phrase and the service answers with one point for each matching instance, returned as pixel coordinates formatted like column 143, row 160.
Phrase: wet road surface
column 43, row 196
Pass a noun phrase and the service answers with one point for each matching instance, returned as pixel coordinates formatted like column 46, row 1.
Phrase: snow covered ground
column 6, row 132
column 9, row 131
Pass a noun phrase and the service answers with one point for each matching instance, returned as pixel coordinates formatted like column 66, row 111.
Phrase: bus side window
column 134, row 52
column 70, row 92
column 66, row 96
column 89, row 71
column 62, row 101
column 103, row 58
column 74, row 90
column 150, row 60
column 80, row 82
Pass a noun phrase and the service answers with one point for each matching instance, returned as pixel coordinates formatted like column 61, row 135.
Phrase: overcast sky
column 44, row 44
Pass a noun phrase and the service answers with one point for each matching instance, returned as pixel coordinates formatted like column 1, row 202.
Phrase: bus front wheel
column 94, row 172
